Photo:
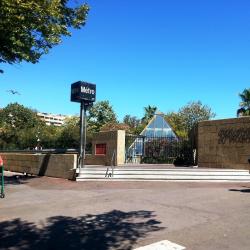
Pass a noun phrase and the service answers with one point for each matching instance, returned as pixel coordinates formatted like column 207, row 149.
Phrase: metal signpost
column 85, row 93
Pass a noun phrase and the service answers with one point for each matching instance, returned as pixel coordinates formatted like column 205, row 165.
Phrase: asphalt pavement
column 50, row 213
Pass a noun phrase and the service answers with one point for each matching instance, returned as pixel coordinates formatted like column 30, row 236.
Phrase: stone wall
column 54, row 165
column 224, row 143
column 64, row 165
column 91, row 159
column 115, row 148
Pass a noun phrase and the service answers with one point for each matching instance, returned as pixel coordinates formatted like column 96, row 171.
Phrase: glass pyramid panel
column 158, row 127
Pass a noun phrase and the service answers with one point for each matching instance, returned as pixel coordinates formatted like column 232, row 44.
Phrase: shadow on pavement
column 244, row 190
column 112, row 230
column 17, row 179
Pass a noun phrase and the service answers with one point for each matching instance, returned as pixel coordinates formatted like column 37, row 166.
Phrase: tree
column 176, row 121
column 134, row 123
column 28, row 29
column 18, row 117
column 70, row 133
column 149, row 112
column 100, row 114
column 49, row 136
column 244, row 109
column 131, row 121
column 19, row 127
column 187, row 117
column 194, row 112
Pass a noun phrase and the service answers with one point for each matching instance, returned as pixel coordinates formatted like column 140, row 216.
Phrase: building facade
column 52, row 119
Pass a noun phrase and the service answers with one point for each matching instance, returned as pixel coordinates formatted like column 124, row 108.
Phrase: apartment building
column 52, row 119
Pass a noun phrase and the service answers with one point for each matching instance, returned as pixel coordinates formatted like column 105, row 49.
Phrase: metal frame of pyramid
column 156, row 131
column 152, row 130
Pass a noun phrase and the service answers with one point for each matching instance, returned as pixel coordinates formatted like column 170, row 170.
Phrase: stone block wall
column 64, row 165
column 95, row 159
column 224, row 143
column 53, row 165
column 115, row 148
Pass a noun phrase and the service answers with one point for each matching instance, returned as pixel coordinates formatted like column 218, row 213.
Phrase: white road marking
column 162, row 245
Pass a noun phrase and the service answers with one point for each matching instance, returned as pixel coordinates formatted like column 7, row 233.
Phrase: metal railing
column 2, row 194
column 157, row 149
column 107, row 174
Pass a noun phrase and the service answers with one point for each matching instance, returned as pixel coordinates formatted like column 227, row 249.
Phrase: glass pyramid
column 158, row 127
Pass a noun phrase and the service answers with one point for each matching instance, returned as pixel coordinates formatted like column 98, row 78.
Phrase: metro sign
column 83, row 92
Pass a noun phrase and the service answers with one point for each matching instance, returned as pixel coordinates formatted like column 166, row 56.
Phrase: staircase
column 160, row 174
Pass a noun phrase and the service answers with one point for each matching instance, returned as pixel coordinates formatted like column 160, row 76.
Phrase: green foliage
column 19, row 126
column 70, row 133
column 26, row 138
column 131, row 121
column 22, row 129
column 187, row 117
column 244, row 109
column 73, row 121
column 149, row 112
column 160, row 151
column 164, row 151
column 177, row 122
column 16, row 116
column 135, row 126
column 194, row 112
column 100, row 114
column 29, row 28
column 49, row 136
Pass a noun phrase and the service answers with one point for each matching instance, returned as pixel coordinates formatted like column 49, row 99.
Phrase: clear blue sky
column 163, row 53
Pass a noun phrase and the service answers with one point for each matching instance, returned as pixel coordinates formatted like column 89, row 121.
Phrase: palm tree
column 149, row 112
column 244, row 109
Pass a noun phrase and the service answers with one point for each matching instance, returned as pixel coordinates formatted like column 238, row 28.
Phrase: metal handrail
column 2, row 194
column 112, row 166
column 112, row 161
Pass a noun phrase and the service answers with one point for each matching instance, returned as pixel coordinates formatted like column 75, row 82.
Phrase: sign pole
column 85, row 93
column 85, row 106
column 83, row 132
column 82, row 139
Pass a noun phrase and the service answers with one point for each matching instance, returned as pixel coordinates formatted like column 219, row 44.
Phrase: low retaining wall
column 64, row 165
column 224, row 143
column 53, row 165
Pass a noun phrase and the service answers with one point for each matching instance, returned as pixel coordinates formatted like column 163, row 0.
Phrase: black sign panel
column 83, row 91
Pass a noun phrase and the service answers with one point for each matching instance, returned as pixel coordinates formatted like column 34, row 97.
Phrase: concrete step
column 186, row 169
column 181, row 174
column 169, row 177
column 165, row 172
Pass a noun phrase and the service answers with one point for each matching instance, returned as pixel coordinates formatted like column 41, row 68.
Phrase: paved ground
column 48, row 213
